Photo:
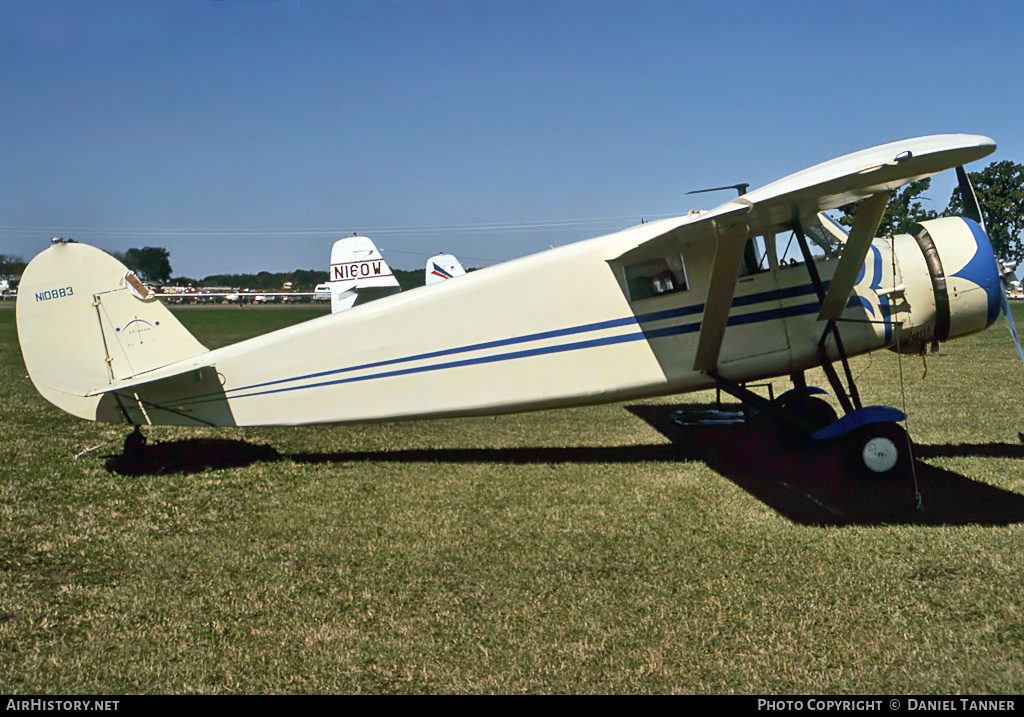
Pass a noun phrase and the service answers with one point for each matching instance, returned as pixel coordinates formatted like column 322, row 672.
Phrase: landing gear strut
column 870, row 437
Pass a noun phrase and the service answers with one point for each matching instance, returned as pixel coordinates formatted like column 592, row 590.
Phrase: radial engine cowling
column 964, row 275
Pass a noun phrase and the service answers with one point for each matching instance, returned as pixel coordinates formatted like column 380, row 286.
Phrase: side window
column 755, row 257
column 654, row 277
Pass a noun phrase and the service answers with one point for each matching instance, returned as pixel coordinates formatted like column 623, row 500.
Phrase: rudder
column 85, row 321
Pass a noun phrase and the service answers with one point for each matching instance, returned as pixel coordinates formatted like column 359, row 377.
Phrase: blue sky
column 249, row 135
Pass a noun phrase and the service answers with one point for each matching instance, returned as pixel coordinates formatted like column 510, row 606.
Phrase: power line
column 282, row 232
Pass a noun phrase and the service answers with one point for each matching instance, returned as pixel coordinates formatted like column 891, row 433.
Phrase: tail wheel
column 880, row 449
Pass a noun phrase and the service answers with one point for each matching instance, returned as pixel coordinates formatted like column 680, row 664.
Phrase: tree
column 11, row 265
column 307, row 279
column 903, row 211
column 1000, row 190
column 151, row 263
column 409, row 278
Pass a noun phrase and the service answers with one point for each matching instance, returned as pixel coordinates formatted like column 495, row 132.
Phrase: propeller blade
column 972, row 208
column 1013, row 329
column 741, row 188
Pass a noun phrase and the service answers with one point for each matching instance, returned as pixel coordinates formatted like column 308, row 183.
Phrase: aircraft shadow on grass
column 816, row 483
column 190, row 456
column 808, row 483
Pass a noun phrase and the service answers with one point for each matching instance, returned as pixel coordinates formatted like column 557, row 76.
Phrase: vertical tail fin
column 358, row 273
column 85, row 321
column 441, row 267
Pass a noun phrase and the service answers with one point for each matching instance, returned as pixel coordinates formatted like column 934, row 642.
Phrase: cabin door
column 757, row 324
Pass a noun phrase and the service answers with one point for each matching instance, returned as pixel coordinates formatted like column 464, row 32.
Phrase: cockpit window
column 833, row 227
column 821, row 240
column 825, row 241
column 655, row 277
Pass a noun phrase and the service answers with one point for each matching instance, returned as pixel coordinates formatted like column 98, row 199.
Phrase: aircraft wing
column 871, row 173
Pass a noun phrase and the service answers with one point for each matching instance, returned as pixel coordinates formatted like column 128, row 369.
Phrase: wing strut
column 862, row 233
column 850, row 401
column 725, row 272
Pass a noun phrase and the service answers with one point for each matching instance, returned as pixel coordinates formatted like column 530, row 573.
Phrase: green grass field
column 572, row 551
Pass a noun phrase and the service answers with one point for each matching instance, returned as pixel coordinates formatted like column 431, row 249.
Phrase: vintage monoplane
column 684, row 304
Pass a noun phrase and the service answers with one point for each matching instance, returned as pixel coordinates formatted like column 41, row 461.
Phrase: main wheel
column 813, row 412
column 880, row 449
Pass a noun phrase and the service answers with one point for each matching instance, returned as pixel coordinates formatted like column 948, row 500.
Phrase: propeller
column 968, row 197
column 972, row 210
column 741, row 188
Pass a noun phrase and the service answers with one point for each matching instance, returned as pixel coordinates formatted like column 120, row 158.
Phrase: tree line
column 153, row 265
column 11, row 265
column 300, row 279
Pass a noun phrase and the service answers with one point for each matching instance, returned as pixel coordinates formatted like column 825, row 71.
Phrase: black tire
column 880, row 450
column 813, row 412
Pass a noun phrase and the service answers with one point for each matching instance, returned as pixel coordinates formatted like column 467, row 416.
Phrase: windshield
column 821, row 240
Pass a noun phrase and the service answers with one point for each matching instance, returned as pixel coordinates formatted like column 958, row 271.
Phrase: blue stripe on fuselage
column 275, row 386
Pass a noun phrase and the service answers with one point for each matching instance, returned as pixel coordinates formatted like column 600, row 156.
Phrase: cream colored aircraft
column 713, row 298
